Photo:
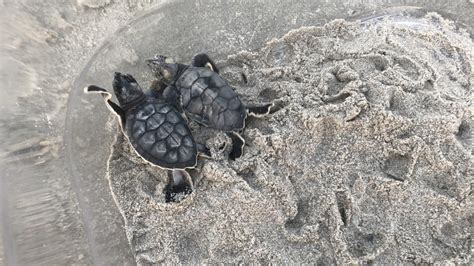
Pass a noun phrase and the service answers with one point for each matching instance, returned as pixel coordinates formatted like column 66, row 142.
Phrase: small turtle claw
column 176, row 194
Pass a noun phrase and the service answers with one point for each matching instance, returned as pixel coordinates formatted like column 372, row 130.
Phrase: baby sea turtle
column 206, row 97
column 157, row 132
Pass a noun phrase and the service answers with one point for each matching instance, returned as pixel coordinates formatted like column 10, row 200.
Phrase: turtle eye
column 123, row 92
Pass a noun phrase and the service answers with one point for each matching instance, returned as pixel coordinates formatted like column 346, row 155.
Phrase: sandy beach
column 365, row 159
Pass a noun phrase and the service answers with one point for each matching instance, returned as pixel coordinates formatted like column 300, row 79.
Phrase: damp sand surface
column 366, row 157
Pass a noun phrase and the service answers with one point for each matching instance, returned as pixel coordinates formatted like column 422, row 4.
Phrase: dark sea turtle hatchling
column 156, row 131
column 205, row 96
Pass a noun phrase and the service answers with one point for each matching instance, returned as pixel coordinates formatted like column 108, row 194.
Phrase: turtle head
column 164, row 68
column 127, row 90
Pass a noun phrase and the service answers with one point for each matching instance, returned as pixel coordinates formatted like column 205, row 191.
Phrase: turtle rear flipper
column 203, row 60
column 180, row 184
column 259, row 110
column 115, row 108
column 203, row 150
column 237, row 145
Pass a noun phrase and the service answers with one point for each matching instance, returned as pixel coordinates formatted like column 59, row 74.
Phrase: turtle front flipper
column 180, row 184
column 237, row 145
column 259, row 110
column 203, row 60
column 113, row 107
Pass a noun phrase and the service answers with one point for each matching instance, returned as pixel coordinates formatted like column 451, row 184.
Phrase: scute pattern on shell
column 161, row 135
column 208, row 96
